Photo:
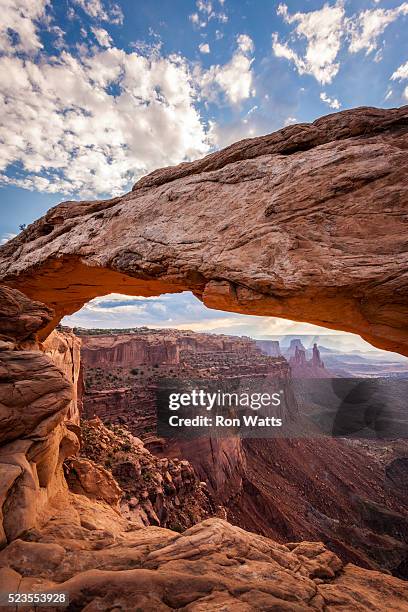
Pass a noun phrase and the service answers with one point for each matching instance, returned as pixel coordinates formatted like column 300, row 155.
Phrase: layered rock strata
column 35, row 403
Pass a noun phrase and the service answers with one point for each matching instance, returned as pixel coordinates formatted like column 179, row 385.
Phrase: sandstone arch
column 308, row 223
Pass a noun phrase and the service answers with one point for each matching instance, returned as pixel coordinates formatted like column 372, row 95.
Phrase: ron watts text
column 221, row 421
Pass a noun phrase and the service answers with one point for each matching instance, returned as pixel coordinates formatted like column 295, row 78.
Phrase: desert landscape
column 95, row 503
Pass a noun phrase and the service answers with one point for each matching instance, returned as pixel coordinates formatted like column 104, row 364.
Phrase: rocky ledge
column 93, row 556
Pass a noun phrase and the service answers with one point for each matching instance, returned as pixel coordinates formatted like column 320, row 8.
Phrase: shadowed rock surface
column 308, row 223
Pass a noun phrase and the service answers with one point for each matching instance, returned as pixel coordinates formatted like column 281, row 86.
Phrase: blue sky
column 96, row 93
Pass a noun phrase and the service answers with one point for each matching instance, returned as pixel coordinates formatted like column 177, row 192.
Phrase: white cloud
column 322, row 30
column 102, row 36
column 332, row 102
column 245, row 43
column 95, row 123
column 98, row 10
column 204, row 48
column 234, row 79
column 18, row 25
column 290, row 121
column 206, row 13
column 325, row 30
column 6, row 237
column 401, row 73
column 366, row 27
column 205, row 6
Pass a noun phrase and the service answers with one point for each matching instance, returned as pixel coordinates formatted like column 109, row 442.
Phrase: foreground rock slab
column 307, row 223
column 211, row 566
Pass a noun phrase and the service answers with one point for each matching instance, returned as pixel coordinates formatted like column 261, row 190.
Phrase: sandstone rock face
column 211, row 566
column 64, row 350
column 84, row 477
column 161, row 347
column 20, row 318
column 34, row 402
column 308, row 223
column 152, row 490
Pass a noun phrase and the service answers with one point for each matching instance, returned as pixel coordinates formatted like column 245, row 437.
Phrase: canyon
column 69, row 525
column 286, row 489
column 299, row 236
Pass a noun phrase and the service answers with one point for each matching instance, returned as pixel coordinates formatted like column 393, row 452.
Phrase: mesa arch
column 309, row 223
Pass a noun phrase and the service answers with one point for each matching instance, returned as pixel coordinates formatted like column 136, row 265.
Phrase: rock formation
column 211, row 566
column 156, row 347
column 317, row 362
column 312, row 229
column 64, row 350
column 35, row 401
column 301, row 366
column 269, row 347
column 126, row 391
column 283, row 489
column 153, row 491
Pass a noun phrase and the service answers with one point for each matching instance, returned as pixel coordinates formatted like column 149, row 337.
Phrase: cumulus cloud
column 18, row 25
column 94, row 122
column 401, row 74
column 322, row 30
column 325, row 30
column 102, row 36
column 234, row 80
column 204, row 48
column 245, row 43
column 97, row 9
column 332, row 102
column 367, row 27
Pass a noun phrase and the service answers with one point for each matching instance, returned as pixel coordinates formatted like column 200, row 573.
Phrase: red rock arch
column 309, row 223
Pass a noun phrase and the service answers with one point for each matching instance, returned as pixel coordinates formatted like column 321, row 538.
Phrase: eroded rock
column 211, row 566
column 307, row 223
column 153, row 490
